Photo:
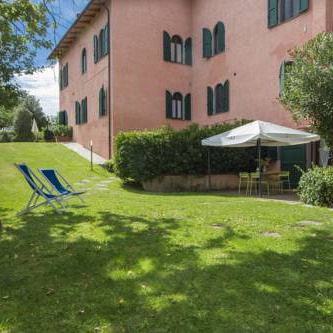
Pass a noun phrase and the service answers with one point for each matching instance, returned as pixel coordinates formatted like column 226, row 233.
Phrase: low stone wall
column 192, row 183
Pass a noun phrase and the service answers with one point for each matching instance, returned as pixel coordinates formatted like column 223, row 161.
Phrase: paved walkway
column 84, row 152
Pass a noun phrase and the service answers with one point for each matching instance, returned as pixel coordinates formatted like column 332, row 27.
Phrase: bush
column 109, row 165
column 22, row 126
column 316, row 187
column 63, row 130
column 48, row 135
column 141, row 156
column 6, row 136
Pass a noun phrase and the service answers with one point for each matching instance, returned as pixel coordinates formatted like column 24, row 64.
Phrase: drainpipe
column 109, row 80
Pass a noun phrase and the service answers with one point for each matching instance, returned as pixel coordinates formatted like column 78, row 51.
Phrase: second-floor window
column 213, row 43
column 176, row 50
column 63, row 77
column 177, row 106
column 102, row 102
column 218, row 99
column 84, row 65
column 283, row 10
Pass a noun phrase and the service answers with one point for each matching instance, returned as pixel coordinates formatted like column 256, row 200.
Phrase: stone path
column 84, row 152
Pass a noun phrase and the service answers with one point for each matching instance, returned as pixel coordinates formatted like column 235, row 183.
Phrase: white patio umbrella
column 258, row 134
column 34, row 128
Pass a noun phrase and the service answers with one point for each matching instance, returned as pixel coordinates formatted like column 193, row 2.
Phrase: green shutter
column 282, row 76
column 210, row 101
column 188, row 107
column 101, row 44
column 60, row 118
column 65, row 76
column 207, row 39
column 166, row 46
column 84, row 111
column 101, row 97
column 273, row 9
column 188, row 51
column 168, row 104
column 219, row 96
column 220, row 37
column 226, row 94
column 65, row 118
column 106, row 39
column 77, row 113
column 60, row 79
column 303, row 5
column 95, row 49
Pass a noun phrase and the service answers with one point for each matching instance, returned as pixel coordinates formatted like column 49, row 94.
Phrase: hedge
column 142, row 156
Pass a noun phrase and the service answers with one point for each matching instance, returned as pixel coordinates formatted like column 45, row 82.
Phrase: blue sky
column 44, row 85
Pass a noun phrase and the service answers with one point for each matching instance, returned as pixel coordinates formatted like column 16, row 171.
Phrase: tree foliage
column 308, row 87
column 23, row 124
column 6, row 117
column 31, row 104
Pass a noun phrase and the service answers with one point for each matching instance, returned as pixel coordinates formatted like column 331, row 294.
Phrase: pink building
column 139, row 64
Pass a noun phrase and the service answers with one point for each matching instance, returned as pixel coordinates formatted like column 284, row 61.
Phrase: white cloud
column 44, row 86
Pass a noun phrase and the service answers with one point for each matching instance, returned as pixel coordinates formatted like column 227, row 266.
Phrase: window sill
column 218, row 113
column 177, row 63
column 178, row 119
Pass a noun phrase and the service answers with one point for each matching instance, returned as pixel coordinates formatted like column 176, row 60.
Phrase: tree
column 31, row 104
column 6, row 117
column 23, row 124
column 308, row 86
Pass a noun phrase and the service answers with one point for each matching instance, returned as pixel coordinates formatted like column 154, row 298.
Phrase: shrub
column 109, row 165
column 142, row 156
column 63, row 130
column 316, row 187
column 22, row 125
column 6, row 136
column 48, row 134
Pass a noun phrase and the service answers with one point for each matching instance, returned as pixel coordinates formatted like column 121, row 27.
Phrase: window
column 84, row 111
column 101, row 44
column 178, row 107
column 283, row 10
column 63, row 118
column 84, row 61
column 77, row 113
column 63, row 77
column 213, row 43
column 177, row 51
column 102, row 102
column 284, row 69
column 218, row 99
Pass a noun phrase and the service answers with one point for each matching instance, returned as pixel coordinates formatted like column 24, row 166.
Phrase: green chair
column 255, row 181
column 244, row 178
column 284, row 177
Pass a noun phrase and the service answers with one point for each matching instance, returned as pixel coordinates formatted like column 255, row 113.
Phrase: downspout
column 109, row 81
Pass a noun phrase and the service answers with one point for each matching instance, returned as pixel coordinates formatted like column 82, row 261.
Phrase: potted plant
column 63, row 133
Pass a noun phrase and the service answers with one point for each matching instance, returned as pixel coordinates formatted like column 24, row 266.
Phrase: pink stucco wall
column 140, row 77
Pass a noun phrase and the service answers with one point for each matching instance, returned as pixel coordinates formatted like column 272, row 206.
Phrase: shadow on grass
column 128, row 274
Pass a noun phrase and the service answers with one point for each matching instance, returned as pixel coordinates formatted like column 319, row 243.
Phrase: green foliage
column 22, row 125
column 62, row 130
column 6, row 136
column 142, row 156
column 316, row 187
column 308, row 87
column 6, row 117
column 23, row 30
column 32, row 104
column 48, row 135
column 109, row 165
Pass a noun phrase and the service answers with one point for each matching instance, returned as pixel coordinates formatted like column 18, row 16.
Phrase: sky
column 44, row 85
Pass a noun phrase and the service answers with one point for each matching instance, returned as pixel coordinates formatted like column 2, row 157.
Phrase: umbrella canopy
column 270, row 135
column 34, row 128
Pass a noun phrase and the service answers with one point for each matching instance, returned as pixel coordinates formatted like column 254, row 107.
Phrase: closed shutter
column 303, row 5
column 210, row 101
column 65, row 118
column 166, row 46
column 106, row 39
column 219, row 96
column 220, row 37
column 84, row 111
column 282, row 76
column 60, row 121
column 272, row 13
column 65, row 75
column 168, row 104
column 226, row 94
column 188, row 107
column 188, row 51
column 207, row 43
column 95, row 49
column 60, row 79
column 101, row 98
column 77, row 113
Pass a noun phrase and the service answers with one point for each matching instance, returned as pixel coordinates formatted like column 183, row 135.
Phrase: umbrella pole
column 259, row 159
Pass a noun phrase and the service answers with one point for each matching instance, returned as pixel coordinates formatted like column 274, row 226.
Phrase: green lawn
column 137, row 262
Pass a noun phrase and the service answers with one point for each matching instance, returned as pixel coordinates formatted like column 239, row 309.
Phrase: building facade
column 140, row 64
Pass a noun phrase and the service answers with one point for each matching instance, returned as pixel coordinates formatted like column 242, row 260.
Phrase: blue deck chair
column 60, row 184
column 40, row 191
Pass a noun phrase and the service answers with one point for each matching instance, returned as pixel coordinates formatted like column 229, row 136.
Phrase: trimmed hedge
column 316, row 187
column 142, row 156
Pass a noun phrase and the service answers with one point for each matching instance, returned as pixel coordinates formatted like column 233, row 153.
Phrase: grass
column 137, row 262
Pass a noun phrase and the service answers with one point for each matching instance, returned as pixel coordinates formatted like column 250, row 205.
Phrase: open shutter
column 65, row 118
column 168, row 104
column 60, row 118
column 106, row 39
column 188, row 107
column 220, row 37
column 166, row 46
column 207, row 43
column 303, row 5
column 188, row 51
column 101, row 100
column 95, row 49
column 282, row 76
column 65, row 75
column 60, row 79
column 84, row 111
column 210, row 101
column 77, row 113
column 272, row 13
column 226, row 94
